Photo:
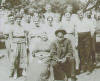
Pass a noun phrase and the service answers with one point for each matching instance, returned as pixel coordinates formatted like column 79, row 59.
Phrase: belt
column 33, row 36
column 19, row 42
column 19, row 37
column 71, row 33
column 83, row 32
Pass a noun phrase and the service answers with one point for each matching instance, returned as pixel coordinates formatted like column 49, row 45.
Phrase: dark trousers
column 84, row 48
column 17, row 67
column 93, row 48
column 62, row 69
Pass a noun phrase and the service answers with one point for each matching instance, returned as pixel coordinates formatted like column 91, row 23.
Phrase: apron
column 39, row 68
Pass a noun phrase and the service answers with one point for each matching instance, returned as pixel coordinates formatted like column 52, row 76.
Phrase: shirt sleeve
column 53, row 49
column 6, row 30
column 93, row 28
column 76, row 36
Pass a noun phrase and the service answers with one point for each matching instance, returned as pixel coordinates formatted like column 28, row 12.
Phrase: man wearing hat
column 61, row 54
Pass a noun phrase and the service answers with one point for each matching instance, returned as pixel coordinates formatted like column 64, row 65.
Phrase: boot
column 73, row 79
column 19, row 72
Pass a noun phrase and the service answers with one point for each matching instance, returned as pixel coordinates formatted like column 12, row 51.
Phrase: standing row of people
column 24, row 35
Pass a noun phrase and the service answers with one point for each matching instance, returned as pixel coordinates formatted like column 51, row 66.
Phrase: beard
column 60, row 39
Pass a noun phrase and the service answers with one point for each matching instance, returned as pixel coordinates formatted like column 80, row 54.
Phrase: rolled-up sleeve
column 53, row 48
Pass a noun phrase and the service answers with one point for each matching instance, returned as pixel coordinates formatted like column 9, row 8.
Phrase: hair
column 10, row 15
column 18, row 17
column 80, row 11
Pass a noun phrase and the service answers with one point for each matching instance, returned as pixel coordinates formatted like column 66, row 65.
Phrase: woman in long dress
column 39, row 66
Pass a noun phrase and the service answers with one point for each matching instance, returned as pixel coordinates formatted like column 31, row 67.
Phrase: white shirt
column 18, row 31
column 35, row 31
column 82, row 26
column 27, row 26
column 91, row 23
column 49, row 30
column 98, row 25
column 68, row 26
column 55, row 16
column 8, row 28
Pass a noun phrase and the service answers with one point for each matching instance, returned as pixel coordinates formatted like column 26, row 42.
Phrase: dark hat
column 60, row 30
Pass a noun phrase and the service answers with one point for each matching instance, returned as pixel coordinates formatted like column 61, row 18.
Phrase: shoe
column 24, row 73
column 77, row 72
column 15, row 77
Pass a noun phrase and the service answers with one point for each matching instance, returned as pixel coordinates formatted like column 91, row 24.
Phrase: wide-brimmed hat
column 60, row 30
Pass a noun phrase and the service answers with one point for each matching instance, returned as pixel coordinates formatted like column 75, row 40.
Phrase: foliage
column 57, row 5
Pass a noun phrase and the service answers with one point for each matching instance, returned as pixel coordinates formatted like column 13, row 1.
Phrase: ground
column 5, row 70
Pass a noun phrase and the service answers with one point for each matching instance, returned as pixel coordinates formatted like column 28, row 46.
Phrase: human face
column 44, row 38
column 99, row 17
column 60, row 36
column 18, row 20
column 88, row 14
column 80, row 14
column 11, row 19
column 50, row 20
column 69, row 8
column 36, row 23
column 68, row 16
column 48, row 8
column 36, row 14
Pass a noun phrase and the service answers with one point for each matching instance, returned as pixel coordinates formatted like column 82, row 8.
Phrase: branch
column 87, row 5
column 96, row 5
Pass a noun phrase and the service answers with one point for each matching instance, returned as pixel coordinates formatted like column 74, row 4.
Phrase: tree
column 94, row 4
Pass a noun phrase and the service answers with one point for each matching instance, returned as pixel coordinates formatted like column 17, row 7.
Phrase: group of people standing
column 41, row 47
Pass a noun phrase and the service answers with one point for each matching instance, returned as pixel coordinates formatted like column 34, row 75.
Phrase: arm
column 76, row 36
column 92, row 26
column 53, row 49
column 93, row 29
column 69, row 51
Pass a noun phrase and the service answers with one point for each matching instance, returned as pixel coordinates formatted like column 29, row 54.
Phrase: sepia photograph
column 49, row 40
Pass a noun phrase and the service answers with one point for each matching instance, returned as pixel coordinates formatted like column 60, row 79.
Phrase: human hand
column 62, row 60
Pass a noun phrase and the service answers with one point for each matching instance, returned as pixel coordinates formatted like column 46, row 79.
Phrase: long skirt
column 84, row 42
column 61, row 70
column 93, row 48
column 38, row 69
